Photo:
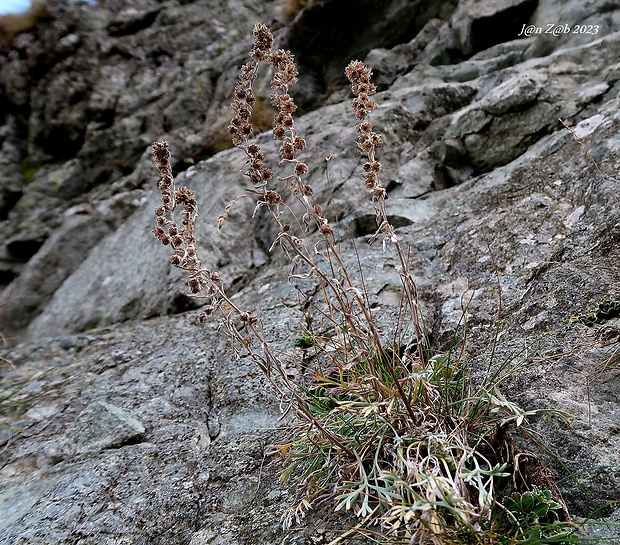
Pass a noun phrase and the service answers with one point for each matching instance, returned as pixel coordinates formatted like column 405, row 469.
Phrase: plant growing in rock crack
column 396, row 436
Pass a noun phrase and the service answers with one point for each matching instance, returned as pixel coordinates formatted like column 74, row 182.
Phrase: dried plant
column 397, row 436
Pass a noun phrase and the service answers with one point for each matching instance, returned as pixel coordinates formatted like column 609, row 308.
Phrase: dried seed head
column 263, row 39
column 371, row 180
column 360, row 75
column 287, row 151
column 287, row 104
column 194, row 285
column 191, row 263
column 287, row 121
column 379, row 192
column 372, row 166
column 247, row 317
column 364, row 128
column 255, row 177
column 161, row 155
column 258, row 55
column 273, row 197
column 279, row 132
column 325, row 229
column 365, row 145
column 254, row 150
column 301, row 168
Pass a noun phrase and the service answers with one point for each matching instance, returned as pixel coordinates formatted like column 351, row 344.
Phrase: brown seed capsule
column 194, row 285
column 325, row 229
column 379, row 192
column 287, row 121
column 253, row 150
column 287, row 151
column 273, row 197
column 364, row 128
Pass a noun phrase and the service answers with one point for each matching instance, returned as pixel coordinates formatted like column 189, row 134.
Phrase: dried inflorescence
column 182, row 238
column 367, row 141
column 284, row 131
column 359, row 75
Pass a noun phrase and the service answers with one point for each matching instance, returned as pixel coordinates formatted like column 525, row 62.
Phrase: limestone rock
column 501, row 208
column 101, row 426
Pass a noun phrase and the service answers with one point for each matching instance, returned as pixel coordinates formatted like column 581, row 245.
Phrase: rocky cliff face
column 137, row 425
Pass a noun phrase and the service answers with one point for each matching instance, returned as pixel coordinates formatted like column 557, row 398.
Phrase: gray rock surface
column 124, row 421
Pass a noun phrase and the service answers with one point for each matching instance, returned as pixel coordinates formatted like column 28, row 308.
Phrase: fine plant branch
column 400, row 438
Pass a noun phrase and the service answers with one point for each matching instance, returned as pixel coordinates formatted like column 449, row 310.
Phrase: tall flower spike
column 168, row 232
column 359, row 75
column 240, row 128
